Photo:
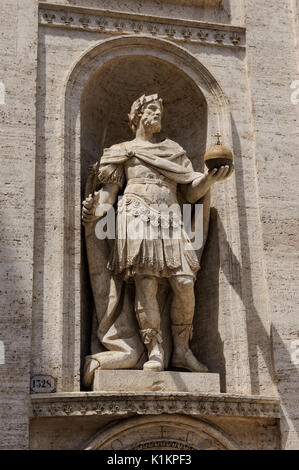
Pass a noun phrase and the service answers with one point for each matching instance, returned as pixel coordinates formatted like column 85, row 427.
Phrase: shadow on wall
column 207, row 343
column 287, row 375
column 259, row 343
column 258, row 337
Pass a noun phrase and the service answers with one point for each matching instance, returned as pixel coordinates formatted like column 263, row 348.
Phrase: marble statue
column 147, row 174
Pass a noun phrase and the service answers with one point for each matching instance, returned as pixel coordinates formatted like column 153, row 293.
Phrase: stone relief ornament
column 109, row 22
column 151, row 263
column 143, row 404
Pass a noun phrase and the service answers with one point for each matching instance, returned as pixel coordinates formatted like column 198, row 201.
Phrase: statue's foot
column 154, row 365
column 153, row 340
column 185, row 359
column 90, row 366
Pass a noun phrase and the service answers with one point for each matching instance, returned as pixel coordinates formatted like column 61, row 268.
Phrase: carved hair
column 139, row 106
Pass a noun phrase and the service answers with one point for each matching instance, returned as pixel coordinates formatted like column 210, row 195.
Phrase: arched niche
column 107, row 97
column 105, row 103
column 99, row 92
column 164, row 432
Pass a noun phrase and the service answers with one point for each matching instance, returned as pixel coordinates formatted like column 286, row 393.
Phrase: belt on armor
column 169, row 184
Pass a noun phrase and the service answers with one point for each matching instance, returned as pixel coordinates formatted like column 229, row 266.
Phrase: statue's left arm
column 201, row 185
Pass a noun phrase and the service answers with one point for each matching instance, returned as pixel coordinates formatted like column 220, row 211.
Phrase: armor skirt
column 151, row 241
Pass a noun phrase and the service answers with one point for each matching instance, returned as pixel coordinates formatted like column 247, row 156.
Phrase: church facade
column 70, row 71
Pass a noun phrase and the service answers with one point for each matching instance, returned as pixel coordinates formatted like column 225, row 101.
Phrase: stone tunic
column 150, row 236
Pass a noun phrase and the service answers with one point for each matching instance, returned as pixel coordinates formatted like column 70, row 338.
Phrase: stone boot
column 182, row 357
column 152, row 339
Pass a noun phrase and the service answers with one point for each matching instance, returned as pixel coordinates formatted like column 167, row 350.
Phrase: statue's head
column 148, row 111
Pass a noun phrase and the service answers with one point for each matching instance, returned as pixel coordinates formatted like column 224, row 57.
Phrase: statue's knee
column 130, row 359
column 184, row 285
column 148, row 286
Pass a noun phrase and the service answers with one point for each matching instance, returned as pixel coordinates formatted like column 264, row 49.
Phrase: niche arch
column 214, row 114
column 163, row 432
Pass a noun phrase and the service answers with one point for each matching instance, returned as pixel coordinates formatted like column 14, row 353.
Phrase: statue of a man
column 149, row 173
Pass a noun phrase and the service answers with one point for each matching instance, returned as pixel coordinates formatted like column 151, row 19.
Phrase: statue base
column 144, row 381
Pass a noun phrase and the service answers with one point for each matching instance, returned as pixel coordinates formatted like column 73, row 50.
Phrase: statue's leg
column 148, row 316
column 182, row 312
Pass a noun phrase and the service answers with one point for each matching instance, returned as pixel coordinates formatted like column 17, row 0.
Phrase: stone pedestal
column 141, row 381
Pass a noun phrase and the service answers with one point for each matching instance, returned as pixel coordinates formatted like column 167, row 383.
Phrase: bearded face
column 151, row 116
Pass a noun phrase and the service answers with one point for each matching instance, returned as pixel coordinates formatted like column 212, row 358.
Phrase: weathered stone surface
column 18, row 70
column 53, row 116
column 276, row 137
column 73, row 421
column 149, row 403
column 161, row 432
column 142, row 381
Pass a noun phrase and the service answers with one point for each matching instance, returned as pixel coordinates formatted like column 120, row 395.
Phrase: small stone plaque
column 41, row 383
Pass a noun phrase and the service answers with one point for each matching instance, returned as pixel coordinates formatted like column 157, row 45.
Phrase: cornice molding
column 121, row 23
column 153, row 403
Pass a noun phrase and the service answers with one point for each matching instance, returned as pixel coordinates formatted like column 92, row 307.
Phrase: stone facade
column 67, row 66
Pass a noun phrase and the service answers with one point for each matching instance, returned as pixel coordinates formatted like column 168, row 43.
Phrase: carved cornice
column 120, row 23
column 152, row 403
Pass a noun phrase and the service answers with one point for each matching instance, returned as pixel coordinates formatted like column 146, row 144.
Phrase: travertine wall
column 18, row 69
column 271, row 69
column 250, row 296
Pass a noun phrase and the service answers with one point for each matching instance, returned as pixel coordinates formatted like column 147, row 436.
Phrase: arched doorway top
column 164, row 432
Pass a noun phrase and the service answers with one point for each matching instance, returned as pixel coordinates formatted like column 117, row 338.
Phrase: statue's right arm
column 95, row 207
column 108, row 196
